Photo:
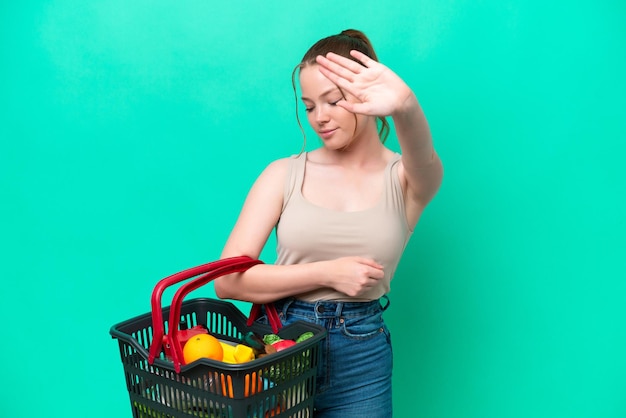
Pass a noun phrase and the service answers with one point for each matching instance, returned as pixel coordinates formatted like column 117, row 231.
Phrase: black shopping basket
column 160, row 385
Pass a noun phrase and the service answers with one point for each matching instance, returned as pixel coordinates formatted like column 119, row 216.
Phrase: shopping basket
column 160, row 385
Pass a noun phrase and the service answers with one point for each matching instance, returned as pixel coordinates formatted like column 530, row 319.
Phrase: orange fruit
column 202, row 346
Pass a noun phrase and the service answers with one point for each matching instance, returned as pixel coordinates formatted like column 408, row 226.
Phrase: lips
column 327, row 133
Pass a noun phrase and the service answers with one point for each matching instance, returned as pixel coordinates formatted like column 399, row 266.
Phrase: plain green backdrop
column 131, row 131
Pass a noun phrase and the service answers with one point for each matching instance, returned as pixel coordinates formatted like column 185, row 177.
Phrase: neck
column 359, row 153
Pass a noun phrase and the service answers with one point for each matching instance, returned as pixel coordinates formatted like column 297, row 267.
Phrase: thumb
column 359, row 108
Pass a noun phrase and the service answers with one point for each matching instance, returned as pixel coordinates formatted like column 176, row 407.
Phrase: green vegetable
column 304, row 336
column 271, row 338
column 294, row 367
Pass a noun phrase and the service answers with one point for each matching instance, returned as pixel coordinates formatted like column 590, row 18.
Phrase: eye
column 335, row 102
column 308, row 109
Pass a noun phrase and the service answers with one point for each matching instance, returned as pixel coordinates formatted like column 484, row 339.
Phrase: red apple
column 282, row 344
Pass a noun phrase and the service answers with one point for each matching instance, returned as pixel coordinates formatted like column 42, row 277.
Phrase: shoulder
column 279, row 167
column 275, row 173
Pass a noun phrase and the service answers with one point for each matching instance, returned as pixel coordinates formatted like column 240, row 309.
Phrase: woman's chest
column 341, row 190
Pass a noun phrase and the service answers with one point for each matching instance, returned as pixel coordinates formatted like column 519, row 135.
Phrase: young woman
column 343, row 215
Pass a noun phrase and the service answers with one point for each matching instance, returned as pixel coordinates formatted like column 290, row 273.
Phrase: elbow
column 221, row 289
column 231, row 286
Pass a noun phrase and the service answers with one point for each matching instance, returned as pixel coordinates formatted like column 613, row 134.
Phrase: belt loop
column 386, row 305
column 286, row 305
column 338, row 309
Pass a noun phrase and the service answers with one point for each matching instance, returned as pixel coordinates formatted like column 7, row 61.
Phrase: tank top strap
column 295, row 177
column 393, row 194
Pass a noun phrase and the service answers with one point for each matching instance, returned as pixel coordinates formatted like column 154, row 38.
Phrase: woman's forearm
column 265, row 283
column 413, row 134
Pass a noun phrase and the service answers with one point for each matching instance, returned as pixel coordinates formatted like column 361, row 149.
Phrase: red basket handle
column 270, row 311
column 209, row 271
column 238, row 265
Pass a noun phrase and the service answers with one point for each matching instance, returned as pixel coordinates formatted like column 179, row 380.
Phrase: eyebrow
column 326, row 93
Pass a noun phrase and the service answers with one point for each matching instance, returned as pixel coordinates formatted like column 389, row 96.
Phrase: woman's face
column 333, row 124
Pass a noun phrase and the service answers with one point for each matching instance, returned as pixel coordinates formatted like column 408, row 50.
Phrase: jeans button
column 320, row 309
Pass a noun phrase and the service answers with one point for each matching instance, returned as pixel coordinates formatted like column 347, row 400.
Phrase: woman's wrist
column 320, row 274
column 408, row 107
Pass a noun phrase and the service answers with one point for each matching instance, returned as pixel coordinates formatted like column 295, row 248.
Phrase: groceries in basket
column 199, row 343
column 204, row 358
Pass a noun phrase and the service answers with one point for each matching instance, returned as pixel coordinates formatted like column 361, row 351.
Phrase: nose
column 321, row 117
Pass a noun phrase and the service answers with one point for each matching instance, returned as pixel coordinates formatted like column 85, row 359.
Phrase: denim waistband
column 333, row 309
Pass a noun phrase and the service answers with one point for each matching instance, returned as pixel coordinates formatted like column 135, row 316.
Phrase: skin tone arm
column 382, row 93
column 265, row 282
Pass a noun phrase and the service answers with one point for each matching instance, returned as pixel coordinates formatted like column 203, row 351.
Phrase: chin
column 334, row 145
column 343, row 147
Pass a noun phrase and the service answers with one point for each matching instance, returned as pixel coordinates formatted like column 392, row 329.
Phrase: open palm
column 379, row 91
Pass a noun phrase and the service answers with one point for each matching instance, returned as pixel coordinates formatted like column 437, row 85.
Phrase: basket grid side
column 154, row 388
column 293, row 381
column 220, row 324
column 283, row 386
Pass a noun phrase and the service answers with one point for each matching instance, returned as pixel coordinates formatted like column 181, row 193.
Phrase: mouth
column 327, row 133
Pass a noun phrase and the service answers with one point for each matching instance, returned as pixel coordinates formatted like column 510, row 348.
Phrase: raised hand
column 377, row 89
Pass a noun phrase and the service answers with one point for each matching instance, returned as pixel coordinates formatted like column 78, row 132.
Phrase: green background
column 130, row 132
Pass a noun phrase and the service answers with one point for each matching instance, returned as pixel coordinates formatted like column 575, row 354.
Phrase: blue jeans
column 354, row 377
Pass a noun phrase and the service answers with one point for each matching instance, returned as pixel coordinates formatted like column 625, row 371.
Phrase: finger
column 346, row 105
column 334, row 68
column 377, row 274
column 345, row 62
column 340, row 81
column 369, row 262
column 360, row 108
column 364, row 59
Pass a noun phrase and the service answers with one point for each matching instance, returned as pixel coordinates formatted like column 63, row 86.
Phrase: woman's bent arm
column 265, row 282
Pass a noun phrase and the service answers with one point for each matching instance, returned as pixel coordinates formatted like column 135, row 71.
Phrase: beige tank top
column 308, row 233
